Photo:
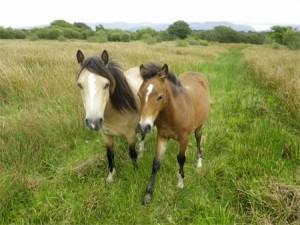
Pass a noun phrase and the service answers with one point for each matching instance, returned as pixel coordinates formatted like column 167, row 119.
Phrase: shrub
column 125, row 37
column 7, row 33
column 182, row 43
column 147, row 38
column 61, row 38
column 98, row 38
column 32, row 37
column 271, row 43
column 275, row 45
column 71, row 33
column 291, row 39
column 193, row 41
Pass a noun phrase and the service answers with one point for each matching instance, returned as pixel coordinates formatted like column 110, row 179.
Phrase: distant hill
column 164, row 26
column 132, row 26
column 212, row 25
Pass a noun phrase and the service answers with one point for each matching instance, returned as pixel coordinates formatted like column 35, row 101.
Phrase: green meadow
column 53, row 170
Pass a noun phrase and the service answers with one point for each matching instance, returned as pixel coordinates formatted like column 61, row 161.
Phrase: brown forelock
column 151, row 70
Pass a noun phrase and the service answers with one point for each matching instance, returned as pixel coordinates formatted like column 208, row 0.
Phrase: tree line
column 179, row 30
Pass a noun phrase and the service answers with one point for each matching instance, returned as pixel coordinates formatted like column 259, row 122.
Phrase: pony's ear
column 142, row 68
column 164, row 72
column 104, row 57
column 80, row 57
column 142, row 71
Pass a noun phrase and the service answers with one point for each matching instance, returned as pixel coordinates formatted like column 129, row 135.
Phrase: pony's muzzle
column 94, row 124
column 145, row 128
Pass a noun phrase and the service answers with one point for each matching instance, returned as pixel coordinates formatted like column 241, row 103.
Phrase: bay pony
column 177, row 107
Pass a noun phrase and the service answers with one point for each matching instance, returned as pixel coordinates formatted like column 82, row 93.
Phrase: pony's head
column 152, row 93
column 101, row 80
column 96, row 84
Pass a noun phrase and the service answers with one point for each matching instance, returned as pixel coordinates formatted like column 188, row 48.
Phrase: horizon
column 256, row 27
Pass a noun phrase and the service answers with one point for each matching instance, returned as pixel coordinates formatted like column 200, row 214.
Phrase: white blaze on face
column 149, row 91
column 92, row 90
column 148, row 120
column 94, row 95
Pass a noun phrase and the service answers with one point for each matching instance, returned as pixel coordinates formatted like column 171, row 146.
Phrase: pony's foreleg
column 132, row 152
column 160, row 151
column 110, row 156
column 198, row 136
column 183, row 142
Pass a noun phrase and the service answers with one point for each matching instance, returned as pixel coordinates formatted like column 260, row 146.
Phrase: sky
column 260, row 14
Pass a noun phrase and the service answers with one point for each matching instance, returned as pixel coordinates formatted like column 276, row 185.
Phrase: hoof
column 180, row 181
column 147, row 199
column 199, row 163
column 109, row 178
column 180, row 185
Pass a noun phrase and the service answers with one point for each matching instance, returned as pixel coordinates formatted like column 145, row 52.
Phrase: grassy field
column 53, row 170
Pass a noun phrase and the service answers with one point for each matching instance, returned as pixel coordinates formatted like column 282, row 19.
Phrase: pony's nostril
column 87, row 122
column 145, row 128
column 101, row 121
column 148, row 127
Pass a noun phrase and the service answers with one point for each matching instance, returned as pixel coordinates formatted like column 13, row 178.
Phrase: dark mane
column 122, row 96
column 152, row 69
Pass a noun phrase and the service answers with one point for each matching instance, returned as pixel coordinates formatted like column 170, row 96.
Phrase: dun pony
column 110, row 101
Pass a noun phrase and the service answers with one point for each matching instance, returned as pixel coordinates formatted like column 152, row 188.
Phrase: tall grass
column 280, row 70
column 52, row 170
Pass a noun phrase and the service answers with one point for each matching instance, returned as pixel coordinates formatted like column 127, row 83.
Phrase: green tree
column 145, row 32
column 277, row 33
column 100, row 36
column 118, row 35
column 10, row 33
column 61, row 23
column 179, row 29
column 71, row 33
column 85, row 34
column 99, row 27
column 291, row 39
column 209, row 35
column 226, row 34
column 82, row 26
column 164, row 36
column 252, row 37
column 51, row 33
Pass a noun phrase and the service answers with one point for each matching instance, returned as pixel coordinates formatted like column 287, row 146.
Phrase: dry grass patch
column 278, row 68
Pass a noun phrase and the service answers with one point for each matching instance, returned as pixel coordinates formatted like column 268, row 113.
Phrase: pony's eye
column 159, row 97
column 139, row 94
column 106, row 86
column 79, row 85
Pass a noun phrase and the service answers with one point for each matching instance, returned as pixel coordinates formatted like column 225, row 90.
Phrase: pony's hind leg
column 110, row 156
column 198, row 136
